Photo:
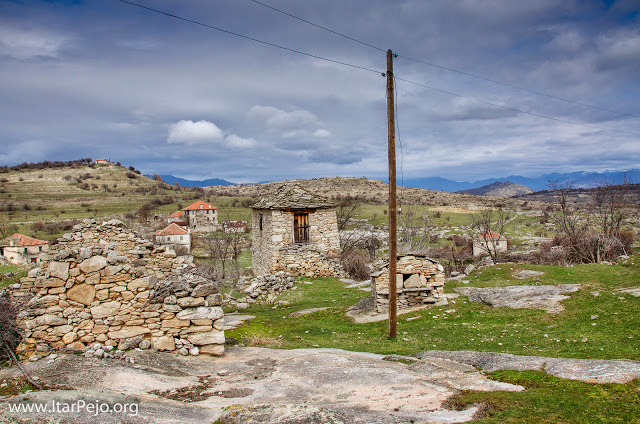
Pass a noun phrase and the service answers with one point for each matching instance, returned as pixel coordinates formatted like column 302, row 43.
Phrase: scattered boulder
column 518, row 297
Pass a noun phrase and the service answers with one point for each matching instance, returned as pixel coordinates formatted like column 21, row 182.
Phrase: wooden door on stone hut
column 301, row 227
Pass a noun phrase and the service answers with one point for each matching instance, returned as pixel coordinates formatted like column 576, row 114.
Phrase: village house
column 235, row 226
column 201, row 216
column 489, row 243
column 174, row 237
column 296, row 231
column 419, row 282
column 102, row 162
column 23, row 250
column 178, row 217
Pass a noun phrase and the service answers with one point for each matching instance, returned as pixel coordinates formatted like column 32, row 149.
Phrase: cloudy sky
column 102, row 78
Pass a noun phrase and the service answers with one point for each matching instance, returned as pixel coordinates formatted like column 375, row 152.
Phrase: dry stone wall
column 105, row 284
column 419, row 281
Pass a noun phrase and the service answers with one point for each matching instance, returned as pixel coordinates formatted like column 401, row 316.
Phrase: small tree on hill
column 488, row 226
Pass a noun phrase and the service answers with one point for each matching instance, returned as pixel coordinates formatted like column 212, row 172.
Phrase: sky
column 107, row 79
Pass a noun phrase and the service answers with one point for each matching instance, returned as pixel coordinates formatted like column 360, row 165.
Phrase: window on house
column 301, row 227
column 260, row 221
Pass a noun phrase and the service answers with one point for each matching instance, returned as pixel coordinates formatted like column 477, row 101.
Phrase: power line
column 518, row 87
column 318, row 26
column 447, row 68
column 249, row 38
column 514, row 109
column 361, row 67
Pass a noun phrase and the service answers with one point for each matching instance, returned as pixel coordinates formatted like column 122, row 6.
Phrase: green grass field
column 463, row 325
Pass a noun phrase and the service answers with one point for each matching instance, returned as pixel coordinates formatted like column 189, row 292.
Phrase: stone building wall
column 484, row 247
column 205, row 220
column 419, row 281
column 103, row 283
column 274, row 249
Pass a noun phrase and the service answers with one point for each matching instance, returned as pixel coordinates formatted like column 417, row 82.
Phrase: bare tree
column 225, row 248
column 593, row 235
column 414, row 231
column 611, row 206
column 489, row 225
column 347, row 210
column 144, row 212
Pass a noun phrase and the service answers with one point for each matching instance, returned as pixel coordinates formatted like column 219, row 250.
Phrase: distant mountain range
column 577, row 179
column 499, row 189
column 170, row 179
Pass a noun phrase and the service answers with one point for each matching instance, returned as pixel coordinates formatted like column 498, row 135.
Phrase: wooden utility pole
column 393, row 248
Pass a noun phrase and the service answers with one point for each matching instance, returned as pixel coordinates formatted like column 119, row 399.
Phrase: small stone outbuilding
column 296, row 231
column 419, row 282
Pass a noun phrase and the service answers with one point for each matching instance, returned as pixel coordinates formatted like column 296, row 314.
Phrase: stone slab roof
column 381, row 266
column 292, row 196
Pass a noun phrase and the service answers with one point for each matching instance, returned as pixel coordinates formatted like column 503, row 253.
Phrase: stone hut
column 23, row 250
column 419, row 282
column 295, row 231
column 105, row 284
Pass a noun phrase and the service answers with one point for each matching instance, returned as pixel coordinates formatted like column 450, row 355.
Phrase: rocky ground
column 294, row 386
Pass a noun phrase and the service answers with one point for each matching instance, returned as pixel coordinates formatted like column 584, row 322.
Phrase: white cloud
column 237, row 142
column 322, row 133
column 189, row 132
column 25, row 44
column 278, row 119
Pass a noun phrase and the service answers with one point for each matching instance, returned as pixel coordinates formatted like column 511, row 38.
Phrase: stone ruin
column 267, row 286
column 105, row 284
column 419, row 282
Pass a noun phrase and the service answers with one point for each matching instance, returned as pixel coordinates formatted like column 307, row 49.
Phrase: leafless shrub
column 355, row 264
column 594, row 235
column 10, row 334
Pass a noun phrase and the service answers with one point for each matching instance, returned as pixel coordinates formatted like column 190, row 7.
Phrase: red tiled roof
column 176, row 214
column 490, row 234
column 199, row 205
column 171, row 230
column 26, row 240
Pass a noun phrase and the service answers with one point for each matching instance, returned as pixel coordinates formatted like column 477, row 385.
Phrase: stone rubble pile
column 100, row 284
column 269, row 285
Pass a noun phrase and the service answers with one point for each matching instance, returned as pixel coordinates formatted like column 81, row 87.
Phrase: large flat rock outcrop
column 545, row 297
column 262, row 386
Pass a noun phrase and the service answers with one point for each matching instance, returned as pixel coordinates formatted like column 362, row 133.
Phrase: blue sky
column 107, row 79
